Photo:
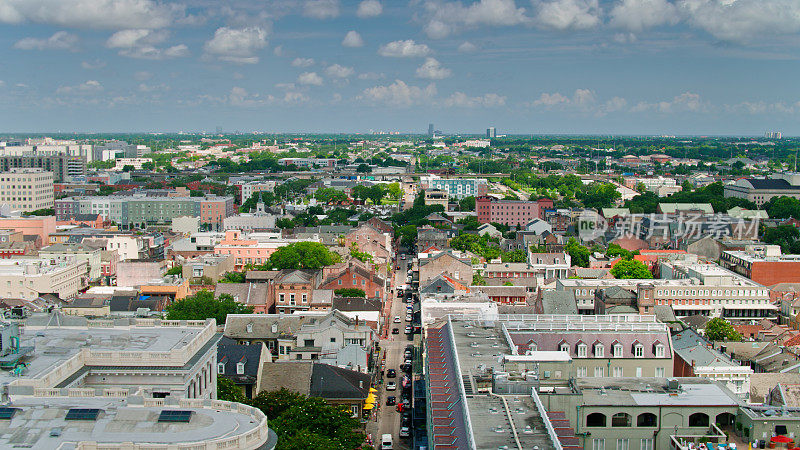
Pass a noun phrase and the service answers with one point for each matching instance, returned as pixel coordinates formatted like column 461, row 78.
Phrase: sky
column 641, row 67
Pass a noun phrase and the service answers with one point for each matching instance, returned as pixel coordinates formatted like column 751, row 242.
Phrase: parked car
column 397, row 319
column 391, row 400
column 405, row 432
column 409, row 330
column 391, row 386
column 391, row 373
column 395, row 331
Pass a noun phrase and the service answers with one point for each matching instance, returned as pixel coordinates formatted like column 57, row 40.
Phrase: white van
column 386, row 442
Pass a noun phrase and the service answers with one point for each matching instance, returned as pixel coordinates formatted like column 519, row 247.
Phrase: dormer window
column 582, row 350
column 638, row 350
column 599, row 350
column 221, row 368
column 240, row 368
column 659, row 350
column 274, row 327
column 617, row 349
column 564, row 347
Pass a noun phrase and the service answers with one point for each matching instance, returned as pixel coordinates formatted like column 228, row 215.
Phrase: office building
column 63, row 167
column 764, row 264
column 510, row 212
column 29, row 278
column 456, row 188
column 491, row 133
column 430, row 130
column 761, row 190
column 26, row 190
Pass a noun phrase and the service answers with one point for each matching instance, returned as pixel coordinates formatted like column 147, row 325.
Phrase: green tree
column 361, row 256
column 478, row 280
column 630, row 269
column 203, row 306
column 41, row 212
column 350, row 292
column 577, row 252
column 467, row 204
column 719, row 329
column 376, row 193
column 302, row 255
column 394, row 191
column 177, row 270
column 615, row 250
column 407, row 234
column 233, row 277
column 128, row 168
column 363, row 168
column 228, row 391
column 469, row 222
column 330, row 195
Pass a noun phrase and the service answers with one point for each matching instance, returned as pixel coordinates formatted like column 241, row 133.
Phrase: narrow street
column 392, row 345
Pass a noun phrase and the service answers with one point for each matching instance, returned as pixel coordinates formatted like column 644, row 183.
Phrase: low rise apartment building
column 63, row 253
column 29, row 278
column 763, row 264
column 515, row 213
column 26, row 190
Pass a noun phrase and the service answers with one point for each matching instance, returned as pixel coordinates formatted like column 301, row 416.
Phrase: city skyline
column 572, row 67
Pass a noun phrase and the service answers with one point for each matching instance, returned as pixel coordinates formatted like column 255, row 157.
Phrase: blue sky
column 523, row 66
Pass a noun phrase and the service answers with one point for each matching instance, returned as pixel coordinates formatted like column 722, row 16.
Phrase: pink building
column 41, row 226
column 248, row 251
column 215, row 209
column 509, row 212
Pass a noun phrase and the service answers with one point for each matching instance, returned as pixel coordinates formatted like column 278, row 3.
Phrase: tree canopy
column 350, row 292
column 630, row 269
column 719, row 329
column 577, row 252
column 203, row 306
column 302, row 255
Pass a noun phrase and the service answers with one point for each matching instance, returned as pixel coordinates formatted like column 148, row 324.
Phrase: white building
column 28, row 278
column 26, row 189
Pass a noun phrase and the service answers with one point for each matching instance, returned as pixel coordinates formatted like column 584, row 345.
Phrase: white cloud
column 321, row 9
column 614, row 105
column 582, row 99
column 445, row 17
column 637, row 15
column 240, row 97
column 404, row 49
column 352, row 39
column 142, row 75
column 303, row 62
column 60, row 40
column 467, row 47
column 742, row 20
column 688, row 101
column 337, row 71
column 399, row 94
column 141, row 43
column 278, row 51
column 153, row 88
column 97, row 14
column 237, row 45
column 568, row 14
column 462, row 100
column 371, row 76
column 88, row 87
column 295, row 98
column 369, row 8
column 433, row 70
column 309, row 78
column 92, row 65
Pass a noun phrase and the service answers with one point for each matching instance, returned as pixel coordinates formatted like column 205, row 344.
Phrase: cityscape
column 411, row 225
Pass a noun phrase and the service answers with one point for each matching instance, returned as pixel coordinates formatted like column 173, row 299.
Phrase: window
column 646, row 420
column 598, row 444
column 354, row 410
column 647, row 444
column 582, row 350
column 339, row 281
column 638, row 372
column 564, row 347
column 638, row 351
column 281, row 298
column 698, row 420
column 618, row 372
column 581, row 373
column 305, row 298
column 617, row 350
column 249, row 327
column 621, row 420
column 622, row 444
column 659, row 351
column 599, row 351
column 599, row 371
column 291, row 299
column 659, row 372
column 240, row 368
column 333, row 340
column 221, row 368
column 596, row 420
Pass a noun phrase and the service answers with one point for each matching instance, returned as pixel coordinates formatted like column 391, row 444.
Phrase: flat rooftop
column 653, row 392
column 491, row 424
column 54, row 344
column 119, row 420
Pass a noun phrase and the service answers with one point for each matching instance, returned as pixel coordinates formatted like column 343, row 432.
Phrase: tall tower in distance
column 491, row 132
column 430, row 130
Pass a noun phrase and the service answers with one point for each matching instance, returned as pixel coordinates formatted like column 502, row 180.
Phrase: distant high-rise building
column 430, row 129
column 773, row 135
column 491, row 132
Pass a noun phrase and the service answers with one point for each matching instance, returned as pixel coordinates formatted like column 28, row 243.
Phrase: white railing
column 551, row 431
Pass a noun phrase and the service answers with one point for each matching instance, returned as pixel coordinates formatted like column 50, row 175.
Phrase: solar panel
column 82, row 414
column 7, row 413
column 175, row 416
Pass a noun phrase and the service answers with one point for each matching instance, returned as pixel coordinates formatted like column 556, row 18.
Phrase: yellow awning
column 373, row 390
column 371, row 397
column 368, row 406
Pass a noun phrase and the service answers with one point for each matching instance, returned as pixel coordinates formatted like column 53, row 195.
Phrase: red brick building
column 766, row 270
column 510, row 212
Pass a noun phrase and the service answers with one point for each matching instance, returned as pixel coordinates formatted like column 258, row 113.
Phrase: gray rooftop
column 653, row 392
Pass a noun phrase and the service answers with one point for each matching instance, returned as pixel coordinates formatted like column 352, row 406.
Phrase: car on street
column 395, row 331
column 408, row 329
column 397, row 319
column 391, row 373
column 391, row 400
column 408, row 318
column 405, row 420
column 405, row 432
column 407, row 361
column 402, row 256
column 391, row 386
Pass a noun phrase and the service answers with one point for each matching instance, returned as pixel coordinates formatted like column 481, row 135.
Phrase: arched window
column 596, row 420
column 698, row 420
column 646, row 420
column 621, row 420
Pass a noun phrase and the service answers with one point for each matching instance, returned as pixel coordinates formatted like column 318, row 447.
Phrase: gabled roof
column 331, row 382
column 229, row 353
